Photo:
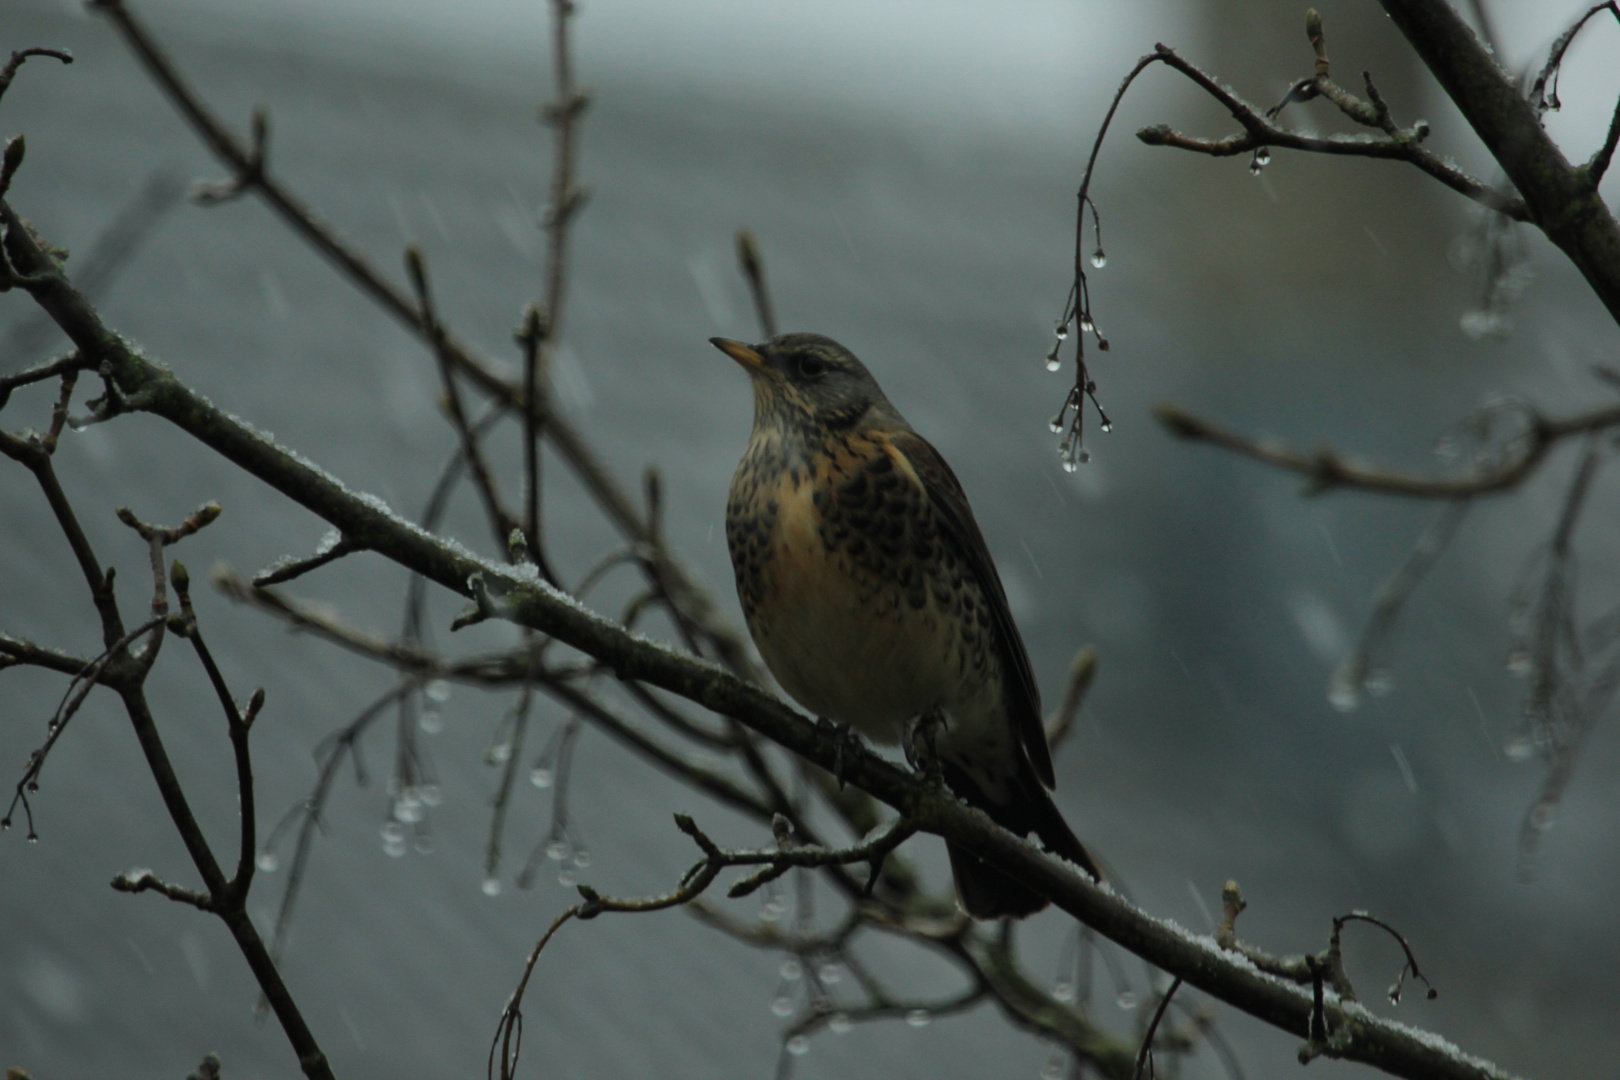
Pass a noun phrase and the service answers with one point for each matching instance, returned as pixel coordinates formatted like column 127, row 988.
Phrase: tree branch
column 1561, row 199
column 1328, row 471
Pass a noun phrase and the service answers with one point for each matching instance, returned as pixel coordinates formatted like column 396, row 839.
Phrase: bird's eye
column 811, row 366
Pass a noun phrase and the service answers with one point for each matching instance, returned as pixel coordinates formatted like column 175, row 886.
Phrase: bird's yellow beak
column 746, row 355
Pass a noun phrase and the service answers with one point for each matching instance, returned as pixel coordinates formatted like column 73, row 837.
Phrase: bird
column 873, row 600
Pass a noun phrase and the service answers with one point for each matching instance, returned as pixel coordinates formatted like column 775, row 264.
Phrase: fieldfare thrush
column 873, row 600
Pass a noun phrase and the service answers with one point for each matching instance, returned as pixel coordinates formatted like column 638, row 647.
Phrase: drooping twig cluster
column 1512, row 439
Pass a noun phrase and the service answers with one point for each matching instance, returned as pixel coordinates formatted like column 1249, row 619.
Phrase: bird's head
column 811, row 382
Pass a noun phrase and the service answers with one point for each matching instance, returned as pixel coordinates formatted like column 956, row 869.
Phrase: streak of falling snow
column 1405, row 767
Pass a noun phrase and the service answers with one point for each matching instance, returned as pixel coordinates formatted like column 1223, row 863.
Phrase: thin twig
column 500, row 519
column 50, row 369
column 136, row 881
column 1144, row 1058
column 1259, row 132
column 1543, row 93
column 14, row 651
column 1411, row 958
column 9, row 72
column 511, row 744
column 238, row 722
column 1355, row 671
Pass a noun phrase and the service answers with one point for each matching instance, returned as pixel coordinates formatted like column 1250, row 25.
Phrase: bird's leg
column 845, row 738
column 919, row 743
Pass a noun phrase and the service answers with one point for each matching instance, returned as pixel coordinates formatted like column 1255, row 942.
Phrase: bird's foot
column 846, row 744
column 919, row 740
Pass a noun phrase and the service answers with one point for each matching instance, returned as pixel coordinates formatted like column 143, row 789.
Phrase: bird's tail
column 985, row 891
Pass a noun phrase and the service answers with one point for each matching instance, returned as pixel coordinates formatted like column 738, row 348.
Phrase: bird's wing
column 950, row 503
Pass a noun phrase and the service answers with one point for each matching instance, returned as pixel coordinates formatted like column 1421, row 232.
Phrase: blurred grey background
column 910, row 171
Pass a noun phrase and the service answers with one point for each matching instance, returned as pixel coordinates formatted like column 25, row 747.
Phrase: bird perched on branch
column 873, row 599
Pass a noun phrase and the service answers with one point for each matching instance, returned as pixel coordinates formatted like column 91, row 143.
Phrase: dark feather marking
column 950, row 503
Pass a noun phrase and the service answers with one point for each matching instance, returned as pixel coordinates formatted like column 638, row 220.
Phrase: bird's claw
column 919, row 742
column 845, row 740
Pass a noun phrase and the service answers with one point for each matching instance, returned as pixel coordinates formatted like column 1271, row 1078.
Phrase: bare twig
column 1562, row 703
column 86, row 679
column 31, row 453
column 1356, row 671
column 530, row 337
column 238, row 722
column 332, row 547
column 1543, row 93
column 50, row 369
column 14, row 651
column 509, row 741
column 1411, row 964
column 9, row 72
column 500, row 519
column 1144, row 1059
column 135, row 881
column 1259, row 132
